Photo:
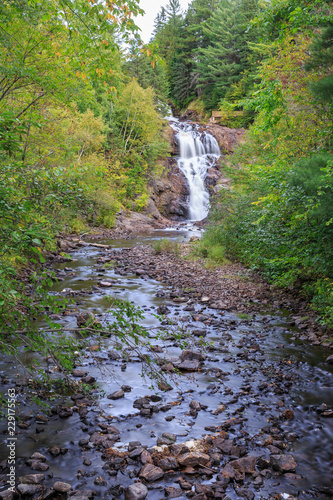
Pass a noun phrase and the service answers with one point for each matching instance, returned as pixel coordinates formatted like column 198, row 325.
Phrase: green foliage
column 165, row 245
column 209, row 248
column 62, row 95
column 222, row 63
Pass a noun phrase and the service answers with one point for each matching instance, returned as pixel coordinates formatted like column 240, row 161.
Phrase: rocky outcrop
column 169, row 195
column 134, row 222
column 191, row 115
column 227, row 138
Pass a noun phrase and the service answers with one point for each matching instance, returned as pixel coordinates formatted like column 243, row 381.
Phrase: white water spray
column 198, row 152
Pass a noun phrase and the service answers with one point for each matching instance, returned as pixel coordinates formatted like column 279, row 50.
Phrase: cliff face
column 227, row 138
column 169, row 194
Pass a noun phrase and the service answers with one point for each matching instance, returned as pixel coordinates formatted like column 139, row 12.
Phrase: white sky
column 152, row 8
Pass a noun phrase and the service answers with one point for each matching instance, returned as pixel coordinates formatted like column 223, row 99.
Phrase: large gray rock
column 85, row 317
column 245, row 464
column 32, row 479
column 61, row 487
column 29, row 489
column 8, row 495
column 151, row 473
column 136, row 491
column 283, row 463
column 193, row 459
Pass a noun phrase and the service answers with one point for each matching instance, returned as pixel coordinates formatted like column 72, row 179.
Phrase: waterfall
column 198, row 152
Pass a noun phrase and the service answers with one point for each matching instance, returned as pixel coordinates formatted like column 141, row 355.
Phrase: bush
column 166, row 246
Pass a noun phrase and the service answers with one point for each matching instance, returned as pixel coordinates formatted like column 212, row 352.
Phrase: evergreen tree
column 184, row 74
column 222, row 63
column 322, row 58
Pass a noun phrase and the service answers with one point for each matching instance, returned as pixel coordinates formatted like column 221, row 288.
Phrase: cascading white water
column 198, row 152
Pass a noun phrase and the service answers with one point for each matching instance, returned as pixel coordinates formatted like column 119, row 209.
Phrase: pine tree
column 322, row 58
column 222, row 63
column 184, row 74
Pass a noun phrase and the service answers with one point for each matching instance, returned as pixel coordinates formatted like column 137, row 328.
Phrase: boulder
column 136, row 491
column 29, row 489
column 32, row 479
column 193, row 459
column 61, row 487
column 84, row 317
column 283, row 463
column 151, row 473
column 245, row 464
column 116, row 395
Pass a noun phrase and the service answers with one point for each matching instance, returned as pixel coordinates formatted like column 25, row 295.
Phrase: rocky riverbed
column 246, row 409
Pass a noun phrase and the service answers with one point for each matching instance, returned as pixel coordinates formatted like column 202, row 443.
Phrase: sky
column 152, row 8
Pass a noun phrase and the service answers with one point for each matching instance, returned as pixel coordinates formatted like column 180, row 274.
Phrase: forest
column 82, row 102
column 186, row 356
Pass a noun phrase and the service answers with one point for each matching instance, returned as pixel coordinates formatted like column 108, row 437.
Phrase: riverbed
column 247, row 386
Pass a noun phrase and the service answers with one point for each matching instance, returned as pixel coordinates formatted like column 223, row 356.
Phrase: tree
column 222, row 63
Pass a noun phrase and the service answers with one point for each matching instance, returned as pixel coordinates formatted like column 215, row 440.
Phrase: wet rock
column 283, row 463
column 164, row 386
column 185, row 485
column 163, row 310
column 136, row 453
column 114, row 355
column 189, row 366
column 79, row 373
column 195, row 405
column 287, row 415
column 245, row 493
column 66, row 413
column 37, row 465
column 136, row 491
column 178, row 449
column 329, row 359
column 146, row 457
column 199, row 332
column 168, row 463
column 227, row 138
column 38, row 456
column 227, row 473
column 88, row 380
column 100, row 481
column 167, row 368
column 8, row 495
column 263, row 463
column 87, row 462
column 246, row 464
column 116, row 395
column 132, row 445
column 126, row 388
column 188, row 355
column 151, row 473
column 84, row 318
column 83, row 495
column 193, row 459
column 32, row 479
column 171, row 492
column 105, row 284
column 29, row 489
column 61, row 487
column 83, row 442
column 166, row 438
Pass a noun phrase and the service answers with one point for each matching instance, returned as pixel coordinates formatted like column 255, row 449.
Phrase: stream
column 271, row 392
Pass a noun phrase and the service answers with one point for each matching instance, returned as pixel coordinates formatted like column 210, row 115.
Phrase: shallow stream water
column 243, row 354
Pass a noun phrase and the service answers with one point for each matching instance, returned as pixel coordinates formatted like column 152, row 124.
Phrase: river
column 271, row 392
